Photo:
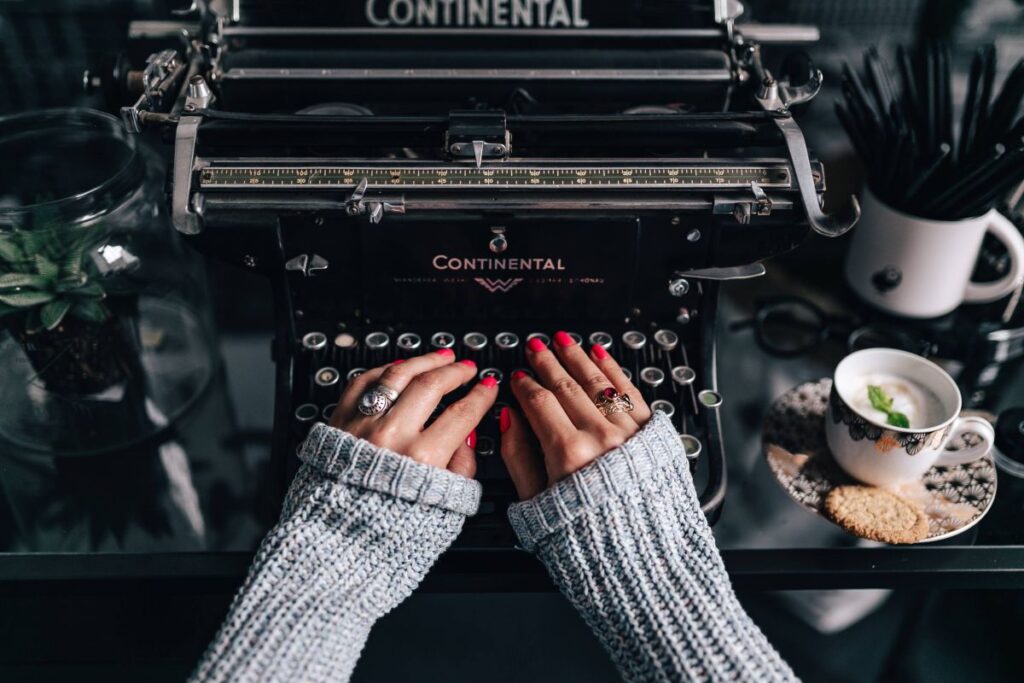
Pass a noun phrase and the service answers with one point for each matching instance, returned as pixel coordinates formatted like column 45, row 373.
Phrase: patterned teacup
column 876, row 452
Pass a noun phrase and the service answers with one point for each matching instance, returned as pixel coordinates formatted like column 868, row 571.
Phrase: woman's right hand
column 564, row 430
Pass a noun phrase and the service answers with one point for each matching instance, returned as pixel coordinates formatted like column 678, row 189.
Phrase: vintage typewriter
column 424, row 174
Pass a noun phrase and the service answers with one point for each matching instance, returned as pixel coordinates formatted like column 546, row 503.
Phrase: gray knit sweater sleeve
column 360, row 527
column 625, row 540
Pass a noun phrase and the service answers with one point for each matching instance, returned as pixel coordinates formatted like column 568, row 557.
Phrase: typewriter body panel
column 432, row 183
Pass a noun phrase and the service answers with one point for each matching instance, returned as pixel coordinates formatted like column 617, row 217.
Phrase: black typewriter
column 468, row 174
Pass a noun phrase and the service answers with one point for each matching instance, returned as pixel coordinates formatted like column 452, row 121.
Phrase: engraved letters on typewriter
column 482, row 13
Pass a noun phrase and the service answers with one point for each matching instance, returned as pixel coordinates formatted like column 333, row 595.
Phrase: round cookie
column 876, row 514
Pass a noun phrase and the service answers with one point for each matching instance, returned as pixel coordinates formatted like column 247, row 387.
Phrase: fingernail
column 505, row 421
column 468, row 362
column 563, row 339
column 445, row 352
column 518, row 374
column 599, row 351
column 397, row 362
column 489, row 382
column 536, row 345
column 471, row 439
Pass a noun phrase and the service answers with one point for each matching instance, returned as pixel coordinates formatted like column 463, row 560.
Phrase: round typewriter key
column 475, row 341
column 526, row 371
column 497, row 408
column 652, row 377
column 539, row 335
column 353, row 373
column 314, row 341
column 409, row 341
column 691, row 446
column 377, row 341
column 602, row 339
column 345, row 341
column 627, row 372
column 306, row 413
column 442, row 340
column 497, row 374
column 634, row 340
column 666, row 339
column 328, row 411
column 326, row 377
column 683, row 375
column 661, row 406
column 506, row 341
column 576, row 338
column 709, row 399
column 485, row 446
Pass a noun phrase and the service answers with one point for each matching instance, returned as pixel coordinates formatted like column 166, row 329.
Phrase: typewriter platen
column 414, row 175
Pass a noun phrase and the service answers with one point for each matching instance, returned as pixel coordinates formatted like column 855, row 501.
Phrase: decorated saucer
column 953, row 498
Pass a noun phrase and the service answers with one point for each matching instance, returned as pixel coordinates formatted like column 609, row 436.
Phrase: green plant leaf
column 89, row 310
column 882, row 401
column 12, row 280
column 10, row 252
column 25, row 299
column 74, row 257
column 93, row 290
column 46, row 267
column 52, row 313
column 898, row 419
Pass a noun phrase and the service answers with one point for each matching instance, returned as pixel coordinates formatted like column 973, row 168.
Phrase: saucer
column 953, row 498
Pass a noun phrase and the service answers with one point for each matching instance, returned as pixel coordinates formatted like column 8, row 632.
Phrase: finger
column 396, row 375
column 577, row 405
column 613, row 371
column 519, row 451
column 543, row 411
column 421, row 397
column 450, row 428
column 463, row 462
column 586, row 373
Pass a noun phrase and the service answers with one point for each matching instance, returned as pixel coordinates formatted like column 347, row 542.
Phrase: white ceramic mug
column 921, row 268
column 880, row 454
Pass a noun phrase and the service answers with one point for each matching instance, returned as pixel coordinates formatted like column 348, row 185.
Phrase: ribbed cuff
column 358, row 462
column 654, row 447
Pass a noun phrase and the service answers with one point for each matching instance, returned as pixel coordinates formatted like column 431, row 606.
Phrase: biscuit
column 876, row 514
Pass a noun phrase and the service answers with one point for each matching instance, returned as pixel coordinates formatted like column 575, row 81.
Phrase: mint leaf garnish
column 883, row 402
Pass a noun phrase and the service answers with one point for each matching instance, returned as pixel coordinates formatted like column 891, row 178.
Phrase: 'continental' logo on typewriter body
column 481, row 13
column 495, row 285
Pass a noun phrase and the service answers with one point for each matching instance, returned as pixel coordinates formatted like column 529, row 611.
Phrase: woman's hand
column 421, row 383
column 560, row 407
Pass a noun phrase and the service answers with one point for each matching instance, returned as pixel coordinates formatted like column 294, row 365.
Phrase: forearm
column 625, row 540
column 359, row 530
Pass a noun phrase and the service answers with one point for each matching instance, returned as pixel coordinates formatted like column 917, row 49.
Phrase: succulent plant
column 44, row 277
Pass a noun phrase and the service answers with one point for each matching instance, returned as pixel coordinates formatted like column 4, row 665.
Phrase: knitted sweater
column 623, row 538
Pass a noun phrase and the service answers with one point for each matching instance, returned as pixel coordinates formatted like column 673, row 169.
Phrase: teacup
column 876, row 452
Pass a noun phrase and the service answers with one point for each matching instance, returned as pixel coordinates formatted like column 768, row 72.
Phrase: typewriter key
column 683, row 375
column 662, row 406
column 328, row 411
column 474, row 341
column 627, row 372
column 709, row 399
column 442, row 340
column 314, row 341
column 666, row 339
column 377, row 341
column 497, row 408
column 485, row 446
column 306, row 413
column 344, row 341
column 634, row 340
column 602, row 339
column 506, row 341
column 691, row 446
column 326, row 377
column 409, row 341
column 652, row 377
column 539, row 335
column 576, row 338
column 492, row 372
column 353, row 373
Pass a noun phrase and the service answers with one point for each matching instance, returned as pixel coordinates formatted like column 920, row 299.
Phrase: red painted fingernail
column 489, row 382
column 536, row 344
column 445, row 352
column 471, row 439
column 563, row 339
column 505, row 421
column 599, row 351
column 399, row 361
column 468, row 362
column 518, row 374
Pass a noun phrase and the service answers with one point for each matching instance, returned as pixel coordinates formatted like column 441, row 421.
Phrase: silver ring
column 377, row 399
column 610, row 401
